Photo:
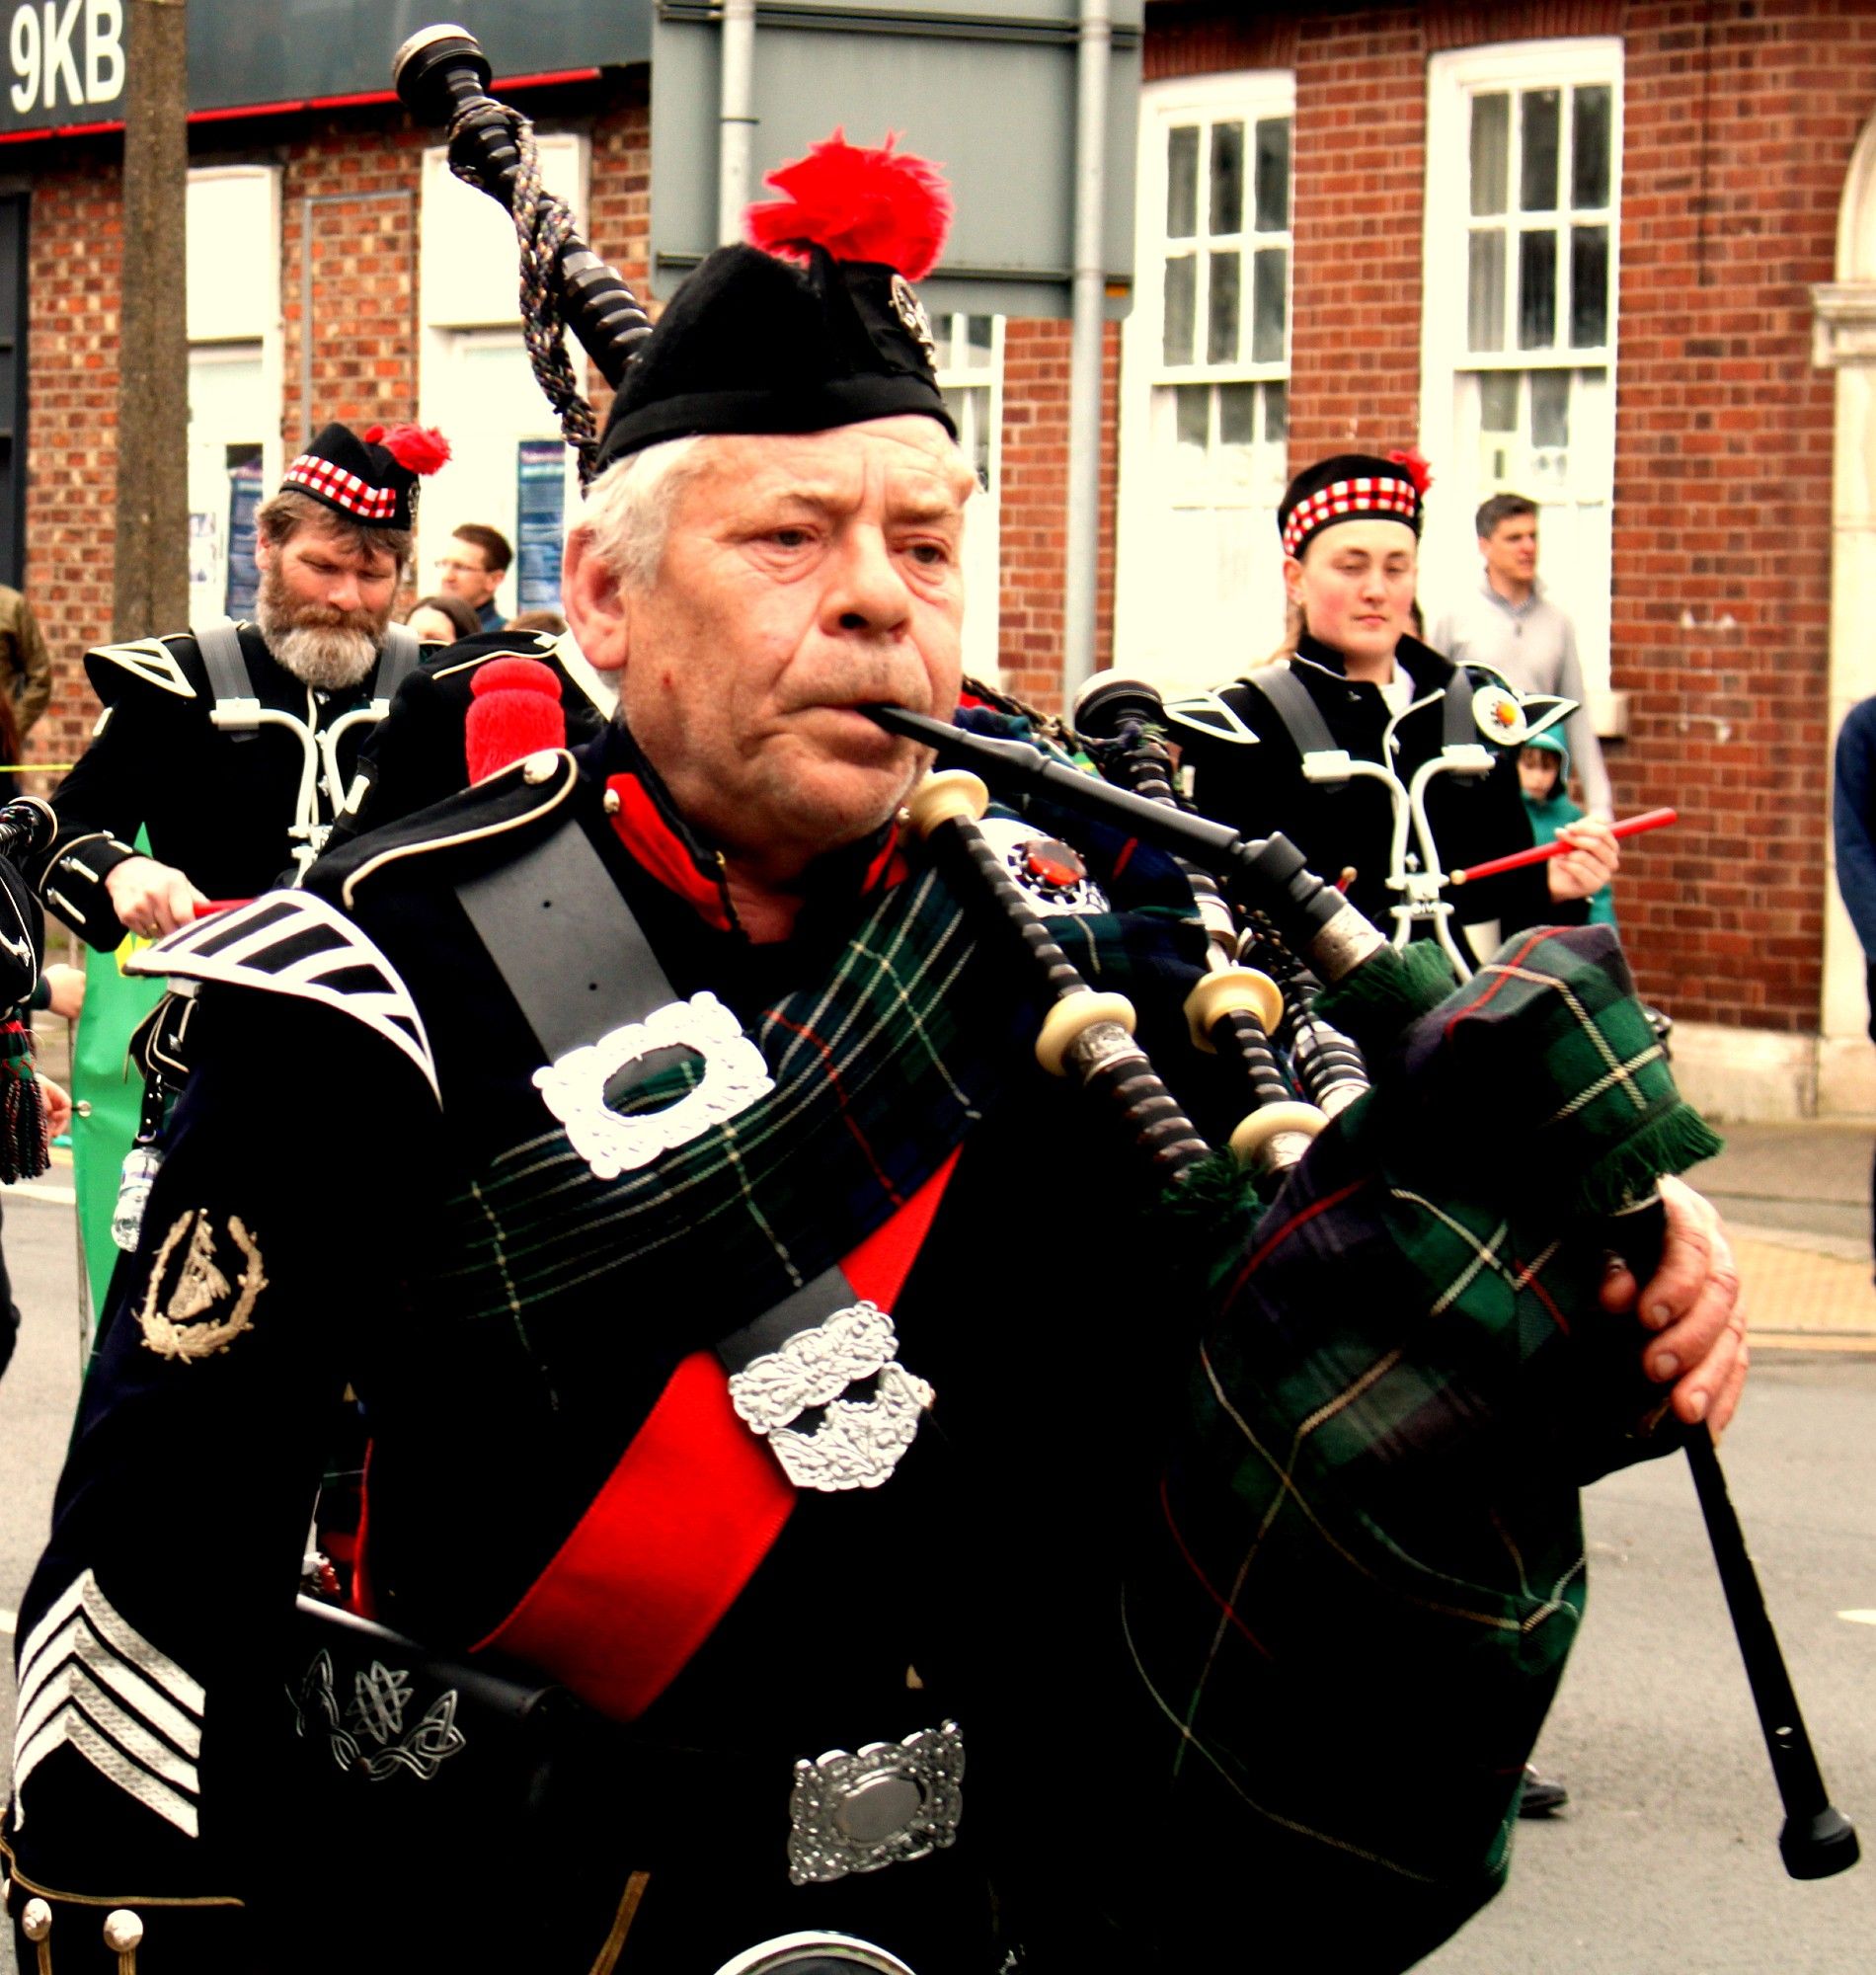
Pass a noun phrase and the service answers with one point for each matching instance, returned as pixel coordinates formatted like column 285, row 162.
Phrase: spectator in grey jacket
column 1510, row 624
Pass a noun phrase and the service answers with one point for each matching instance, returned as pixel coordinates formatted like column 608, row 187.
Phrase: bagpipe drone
column 1401, row 1328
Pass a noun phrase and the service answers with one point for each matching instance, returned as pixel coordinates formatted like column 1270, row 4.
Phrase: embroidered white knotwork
column 573, row 1087
column 91, row 1682
column 370, row 1735
column 193, row 1322
column 857, row 1443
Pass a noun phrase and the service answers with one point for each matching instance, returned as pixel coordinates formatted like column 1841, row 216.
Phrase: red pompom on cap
column 515, row 713
column 416, row 448
column 882, row 205
column 1417, row 468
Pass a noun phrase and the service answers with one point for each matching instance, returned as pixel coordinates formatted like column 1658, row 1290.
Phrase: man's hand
column 65, row 985
column 1697, row 1307
column 152, row 898
column 1589, row 864
column 59, row 1105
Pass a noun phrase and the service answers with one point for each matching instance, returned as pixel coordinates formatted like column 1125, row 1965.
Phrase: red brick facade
column 1740, row 121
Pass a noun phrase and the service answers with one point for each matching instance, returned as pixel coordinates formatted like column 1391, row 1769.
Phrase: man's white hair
column 628, row 509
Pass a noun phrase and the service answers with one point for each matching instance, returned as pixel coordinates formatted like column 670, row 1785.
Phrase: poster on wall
column 244, row 500
column 540, row 512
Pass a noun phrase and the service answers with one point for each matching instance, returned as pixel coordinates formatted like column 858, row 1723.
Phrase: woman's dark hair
column 460, row 613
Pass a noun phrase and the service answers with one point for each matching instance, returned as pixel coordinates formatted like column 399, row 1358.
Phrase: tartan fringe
column 1377, row 1003
column 1670, row 1143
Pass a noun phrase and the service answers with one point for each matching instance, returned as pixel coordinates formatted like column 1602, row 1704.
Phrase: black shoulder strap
column 236, row 703
column 1291, row 701
column 397, row 662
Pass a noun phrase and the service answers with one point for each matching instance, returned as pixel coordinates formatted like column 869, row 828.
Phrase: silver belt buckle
column 787, row 1951
column 890, row 1802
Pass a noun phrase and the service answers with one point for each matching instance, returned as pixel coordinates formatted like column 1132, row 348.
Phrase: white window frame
column 1144, row 641
column 1449, row 561
column 983, row 513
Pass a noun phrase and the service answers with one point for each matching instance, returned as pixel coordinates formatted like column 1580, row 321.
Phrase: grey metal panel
column 989, row 94
column 244, row 52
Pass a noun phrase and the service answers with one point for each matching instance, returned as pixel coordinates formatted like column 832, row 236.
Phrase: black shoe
column 1541, row 1795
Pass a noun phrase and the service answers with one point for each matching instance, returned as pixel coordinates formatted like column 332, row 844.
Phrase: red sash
column 679, row 1528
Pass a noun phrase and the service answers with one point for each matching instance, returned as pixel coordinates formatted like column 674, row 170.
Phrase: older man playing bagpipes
column 788, row 1400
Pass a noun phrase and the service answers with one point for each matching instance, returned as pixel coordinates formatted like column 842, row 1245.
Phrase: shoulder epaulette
column 501, row 806
column 521, row 645
column 299, row 944
column 149, row 660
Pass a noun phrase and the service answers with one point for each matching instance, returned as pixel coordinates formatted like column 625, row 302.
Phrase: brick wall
column 1741, row 118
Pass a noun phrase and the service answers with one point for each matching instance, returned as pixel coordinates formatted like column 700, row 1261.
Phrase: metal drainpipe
column 1093, row 45
column 735, row 132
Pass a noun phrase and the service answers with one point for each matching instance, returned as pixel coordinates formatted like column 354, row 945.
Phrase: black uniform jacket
column 218, row 805
column 367, row 1177
column 415, row 756
column 1261, row 788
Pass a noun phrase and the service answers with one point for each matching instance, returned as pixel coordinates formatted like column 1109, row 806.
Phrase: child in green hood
column 1544, row 774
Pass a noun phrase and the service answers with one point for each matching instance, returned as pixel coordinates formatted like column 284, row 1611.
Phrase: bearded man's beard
column 317, row 643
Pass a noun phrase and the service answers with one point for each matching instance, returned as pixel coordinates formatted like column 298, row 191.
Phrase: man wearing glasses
column 473, row 569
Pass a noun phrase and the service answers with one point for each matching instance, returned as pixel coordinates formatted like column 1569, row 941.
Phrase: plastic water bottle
column 140, row 1167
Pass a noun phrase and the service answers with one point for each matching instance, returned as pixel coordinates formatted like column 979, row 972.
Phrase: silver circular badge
column 912, row 312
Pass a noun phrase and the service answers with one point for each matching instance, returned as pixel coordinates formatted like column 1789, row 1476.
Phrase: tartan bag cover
column 1351, row 1604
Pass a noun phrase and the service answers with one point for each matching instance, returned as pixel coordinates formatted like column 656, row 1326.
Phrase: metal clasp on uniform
column 892, row 1802
column 735, row 1077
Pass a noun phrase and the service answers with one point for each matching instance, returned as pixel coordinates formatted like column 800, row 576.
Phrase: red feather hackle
column 1418, row 468
column 860, row 205
column 416, row 448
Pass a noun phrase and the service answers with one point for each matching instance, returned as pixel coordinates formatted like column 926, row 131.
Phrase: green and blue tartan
column 1365, row 1563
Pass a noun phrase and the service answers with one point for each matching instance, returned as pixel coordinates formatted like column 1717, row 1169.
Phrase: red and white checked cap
column 1351, row 487
column 371, row 482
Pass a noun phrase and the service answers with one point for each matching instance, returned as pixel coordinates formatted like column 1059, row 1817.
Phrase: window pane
column 1485, row 291
column 1182, row 184
column 980, row 333
column 1551, row 408
column 1220, row 343
column 1269, row 297
column 1273, row 174
column 1541, row 124
column 1491, row 152
column 1589, row 286
column 1277, row 413
column 1537, row 291
column 1182, row 293
column 1192, row 408
column 1227, row 178
column 1237, row 414
column 1498, row 400
column 1592, row 112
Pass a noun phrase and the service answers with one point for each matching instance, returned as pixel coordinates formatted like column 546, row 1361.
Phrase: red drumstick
column 1538, row 854
column 207, row 909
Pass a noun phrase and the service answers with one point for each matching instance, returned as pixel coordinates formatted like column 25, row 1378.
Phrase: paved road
column 1666, row 1863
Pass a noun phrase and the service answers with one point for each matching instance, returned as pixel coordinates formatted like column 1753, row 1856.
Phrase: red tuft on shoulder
column 860, row 205
column 416, row 448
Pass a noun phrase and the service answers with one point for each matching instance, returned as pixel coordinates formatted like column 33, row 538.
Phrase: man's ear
column 265, row 551
column 593, row 603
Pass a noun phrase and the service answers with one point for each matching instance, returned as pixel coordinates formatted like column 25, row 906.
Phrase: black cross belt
column 579, row 966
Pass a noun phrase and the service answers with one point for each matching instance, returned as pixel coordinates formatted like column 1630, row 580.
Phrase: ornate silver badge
column 1049, row 874
column 857, row 1443
column 735, row 1077
column 370, row 1735
column 912, row 312
column 892, row 1802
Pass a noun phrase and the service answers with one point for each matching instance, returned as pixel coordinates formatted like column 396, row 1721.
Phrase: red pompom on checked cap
column 416, row 448
column 1418, row 470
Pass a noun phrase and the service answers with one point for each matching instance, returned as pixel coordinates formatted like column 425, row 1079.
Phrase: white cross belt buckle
column 573, row 1087
column 855, row 1442
column 892, row 1802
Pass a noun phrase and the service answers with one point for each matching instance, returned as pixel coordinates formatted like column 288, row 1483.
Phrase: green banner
column 107, row 1099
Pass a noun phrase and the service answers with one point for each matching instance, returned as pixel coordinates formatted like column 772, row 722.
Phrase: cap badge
column 912, row 312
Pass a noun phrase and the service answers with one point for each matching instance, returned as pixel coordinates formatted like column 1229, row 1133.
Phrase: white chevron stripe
column 77, row 1654
column 151, row 661
column 389, row 1011
column 85, row 1593
column 143, row 1779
